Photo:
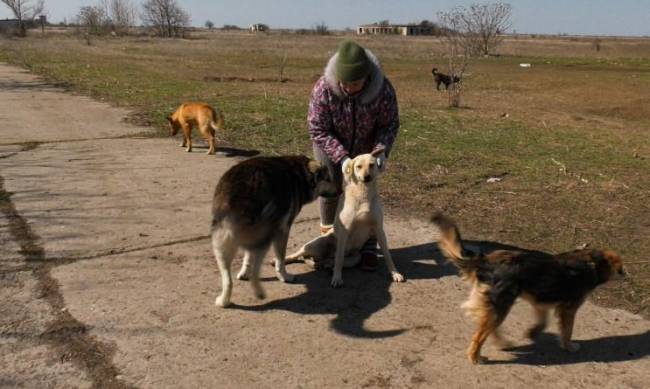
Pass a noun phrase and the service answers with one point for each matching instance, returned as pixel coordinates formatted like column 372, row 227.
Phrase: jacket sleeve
column 319, row 119
column 388, row 121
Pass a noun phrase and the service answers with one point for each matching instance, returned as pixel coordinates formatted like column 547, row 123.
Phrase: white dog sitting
column 360, row 214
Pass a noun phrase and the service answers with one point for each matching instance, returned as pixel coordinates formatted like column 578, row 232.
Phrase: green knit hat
column 352, row 63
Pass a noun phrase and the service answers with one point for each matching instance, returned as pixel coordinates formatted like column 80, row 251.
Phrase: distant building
column 9, row 23
column 395, row 29
column 259, row 27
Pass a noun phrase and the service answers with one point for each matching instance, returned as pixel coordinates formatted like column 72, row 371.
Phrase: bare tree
column 486, row 23
column 458, row 40
column 94, row 19
column 321, row 28
column 597, row 44
column 467, row 32
column 121, row 13
column 435, row 28
column 166, row 16
column 281, row 65
column 25, row 11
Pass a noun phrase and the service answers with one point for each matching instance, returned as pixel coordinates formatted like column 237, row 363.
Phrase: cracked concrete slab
column 157, row 307
column 25, row 361
column 33, row 110
column 125, row 222
column 96, row 196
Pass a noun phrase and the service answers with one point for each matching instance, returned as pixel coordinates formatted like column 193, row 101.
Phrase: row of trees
column 166, row 17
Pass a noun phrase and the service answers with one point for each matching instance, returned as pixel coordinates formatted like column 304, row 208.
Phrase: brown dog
column 561, row 281
column 199, row 115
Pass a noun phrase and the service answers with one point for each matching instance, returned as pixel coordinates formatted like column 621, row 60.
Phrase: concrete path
column 107, row 280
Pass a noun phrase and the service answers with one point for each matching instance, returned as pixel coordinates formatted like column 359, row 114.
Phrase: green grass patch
column 580, row 181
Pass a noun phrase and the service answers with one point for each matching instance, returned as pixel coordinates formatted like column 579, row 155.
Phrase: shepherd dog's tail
column 451, row 245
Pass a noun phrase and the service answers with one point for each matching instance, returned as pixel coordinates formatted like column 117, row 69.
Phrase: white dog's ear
column 349, row 170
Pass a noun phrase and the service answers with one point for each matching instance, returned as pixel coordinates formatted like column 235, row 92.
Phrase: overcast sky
column 609, row 17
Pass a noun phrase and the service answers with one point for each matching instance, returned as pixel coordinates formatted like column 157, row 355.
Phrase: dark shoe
column 368, row 262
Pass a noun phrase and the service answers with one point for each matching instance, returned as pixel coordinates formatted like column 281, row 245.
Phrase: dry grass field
column 568, row 137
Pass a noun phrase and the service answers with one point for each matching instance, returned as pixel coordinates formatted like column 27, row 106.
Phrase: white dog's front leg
column 339, row 258
column 295, row 257
column 280, row 247
column 383, row 243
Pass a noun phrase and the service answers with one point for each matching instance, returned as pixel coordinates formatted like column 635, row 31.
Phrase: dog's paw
column 397, row 277
column 477, row 359
column 258, row 291
column 571, row 347
column 288, row 278
column 221, row 302
column 242, row 275
column 336, row 282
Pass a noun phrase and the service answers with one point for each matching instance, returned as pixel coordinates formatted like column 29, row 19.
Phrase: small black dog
column 441, row 78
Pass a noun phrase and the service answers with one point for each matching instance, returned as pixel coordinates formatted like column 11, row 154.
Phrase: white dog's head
column 363, row 168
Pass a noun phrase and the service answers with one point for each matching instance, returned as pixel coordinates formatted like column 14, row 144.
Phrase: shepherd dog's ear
column 323, row 174
column 377, row 152
column 313, row 166
column 169, row 118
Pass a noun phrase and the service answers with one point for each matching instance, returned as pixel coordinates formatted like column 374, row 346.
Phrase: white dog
column 319, row 252
column 359, row 214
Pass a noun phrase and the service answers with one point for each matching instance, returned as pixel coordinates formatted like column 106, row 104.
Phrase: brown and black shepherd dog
column 561, row 281
column 199, row 115
column 254, row 206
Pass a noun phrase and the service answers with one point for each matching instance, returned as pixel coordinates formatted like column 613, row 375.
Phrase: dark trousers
column 328, row 205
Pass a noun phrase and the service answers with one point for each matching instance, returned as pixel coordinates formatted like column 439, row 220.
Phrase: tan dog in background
column 199, row 115
column 360, row 214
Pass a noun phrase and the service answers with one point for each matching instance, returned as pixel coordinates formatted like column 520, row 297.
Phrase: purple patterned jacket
column 348, row 126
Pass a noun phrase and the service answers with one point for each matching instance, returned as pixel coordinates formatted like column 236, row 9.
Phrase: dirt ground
column 107, row 280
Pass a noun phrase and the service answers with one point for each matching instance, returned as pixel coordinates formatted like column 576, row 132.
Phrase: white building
column 394, row 29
